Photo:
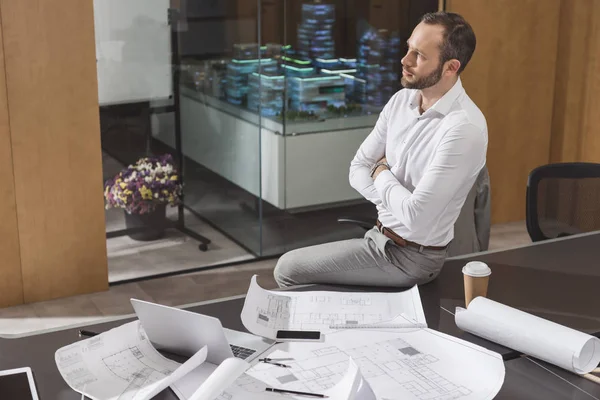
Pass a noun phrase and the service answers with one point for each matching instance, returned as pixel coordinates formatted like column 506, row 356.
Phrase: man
column 417, row 166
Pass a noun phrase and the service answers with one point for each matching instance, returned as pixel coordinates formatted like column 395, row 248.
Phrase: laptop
column 185, row 332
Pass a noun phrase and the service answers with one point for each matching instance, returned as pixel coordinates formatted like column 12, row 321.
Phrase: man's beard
column 426, row 81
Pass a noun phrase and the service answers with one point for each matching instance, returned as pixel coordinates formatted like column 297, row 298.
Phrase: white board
column 133, row 50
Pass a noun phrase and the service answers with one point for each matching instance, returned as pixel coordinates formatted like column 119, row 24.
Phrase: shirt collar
column 444, row 104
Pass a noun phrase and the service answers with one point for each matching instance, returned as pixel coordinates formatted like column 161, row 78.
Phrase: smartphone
column 18, row 384
column 299, row 336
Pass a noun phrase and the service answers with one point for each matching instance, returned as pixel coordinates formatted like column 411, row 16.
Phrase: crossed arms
column 458, row 158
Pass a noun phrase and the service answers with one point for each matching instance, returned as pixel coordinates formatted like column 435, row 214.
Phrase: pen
column 295, row 392
column 83, row 332
column 268, row 361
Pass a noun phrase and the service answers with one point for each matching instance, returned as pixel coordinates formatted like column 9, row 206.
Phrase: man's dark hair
column 459, row 39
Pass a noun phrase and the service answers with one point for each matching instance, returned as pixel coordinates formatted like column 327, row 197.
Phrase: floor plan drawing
column 244, row 388
column 119, row 364
column 395, row 367
column 130, row 364
column 265, row 312
column 284, row 312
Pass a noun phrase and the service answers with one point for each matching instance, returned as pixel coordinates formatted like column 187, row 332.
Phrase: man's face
column 421, row 66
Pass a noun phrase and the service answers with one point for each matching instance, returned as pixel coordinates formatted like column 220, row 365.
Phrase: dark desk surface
column 579, row 255
column 533, row 380
column 556, row 281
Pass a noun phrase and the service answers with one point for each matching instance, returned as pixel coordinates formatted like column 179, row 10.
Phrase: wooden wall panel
column 576, row 23
column 11, row 289
column 53, row 109
column 511, row 78
column 591, row 127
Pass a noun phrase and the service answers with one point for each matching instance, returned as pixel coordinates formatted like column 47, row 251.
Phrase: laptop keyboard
column 241, row 352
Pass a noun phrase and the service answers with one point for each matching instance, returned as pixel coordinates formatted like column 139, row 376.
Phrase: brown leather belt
column 400, row 241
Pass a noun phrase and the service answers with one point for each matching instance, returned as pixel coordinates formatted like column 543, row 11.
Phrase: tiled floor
column 132, row 259
column 506, row 236
column 174, row 290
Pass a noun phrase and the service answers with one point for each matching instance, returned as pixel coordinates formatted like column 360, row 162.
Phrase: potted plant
column 143, row 190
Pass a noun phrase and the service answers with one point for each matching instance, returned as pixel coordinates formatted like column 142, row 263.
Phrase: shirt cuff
column 384, row 182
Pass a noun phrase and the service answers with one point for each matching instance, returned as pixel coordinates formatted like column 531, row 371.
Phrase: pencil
column 295, row 392
column 83, row 332
column 592, row 378
column 268, row 361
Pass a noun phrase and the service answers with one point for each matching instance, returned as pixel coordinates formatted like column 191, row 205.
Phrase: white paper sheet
column 265, row 311
column 120, row 364
column 397, row 364
column 564, row 347
column 186, row 387
column 220, row 379
column 351, row 386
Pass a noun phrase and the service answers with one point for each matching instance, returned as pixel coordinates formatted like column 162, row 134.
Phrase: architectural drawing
column 265, row 312
column 395, row 359
column 119, row 364
column 243, row 388
column 417, row 365
column 283, row 312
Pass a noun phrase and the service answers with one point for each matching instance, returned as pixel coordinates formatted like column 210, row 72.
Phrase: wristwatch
column 377, row 165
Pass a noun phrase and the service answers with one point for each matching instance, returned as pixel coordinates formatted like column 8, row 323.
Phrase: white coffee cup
column 476, row 278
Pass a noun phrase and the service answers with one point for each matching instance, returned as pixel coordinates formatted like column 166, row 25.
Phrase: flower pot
column 154, row 223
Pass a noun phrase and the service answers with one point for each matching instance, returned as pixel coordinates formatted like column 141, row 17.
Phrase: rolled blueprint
column 554, row 343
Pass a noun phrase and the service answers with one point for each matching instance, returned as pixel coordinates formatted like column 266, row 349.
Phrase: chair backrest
column 472, row 227
column 563, row 199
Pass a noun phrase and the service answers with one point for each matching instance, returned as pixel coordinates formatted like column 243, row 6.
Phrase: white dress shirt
column 435, row 158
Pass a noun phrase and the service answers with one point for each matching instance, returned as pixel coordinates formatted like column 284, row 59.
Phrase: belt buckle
column 393, row 236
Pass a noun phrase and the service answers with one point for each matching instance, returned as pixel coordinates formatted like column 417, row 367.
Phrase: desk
column 554, row 280
column 532, row 380
column 580, row 253
column 507, row 285
column 524, row 379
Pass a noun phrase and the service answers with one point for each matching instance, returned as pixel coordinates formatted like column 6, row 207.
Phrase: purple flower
column 140, row 187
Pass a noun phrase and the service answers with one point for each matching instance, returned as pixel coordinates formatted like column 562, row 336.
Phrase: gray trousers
column 374, row 260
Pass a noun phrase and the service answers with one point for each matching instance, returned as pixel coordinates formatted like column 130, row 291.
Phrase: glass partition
column 340, row 62
column 168, row 158
column 262, row 104
column 310, row 82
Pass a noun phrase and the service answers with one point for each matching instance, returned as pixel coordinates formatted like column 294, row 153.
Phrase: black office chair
column 562, row 200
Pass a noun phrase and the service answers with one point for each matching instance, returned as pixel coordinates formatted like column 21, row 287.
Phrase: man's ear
column 452, row 66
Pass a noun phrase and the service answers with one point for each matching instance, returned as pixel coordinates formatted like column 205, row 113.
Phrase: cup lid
column 477, row 269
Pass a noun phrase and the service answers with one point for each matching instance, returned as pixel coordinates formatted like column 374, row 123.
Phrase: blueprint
column 265, row 311
column 120, row 364
column 419, row 364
